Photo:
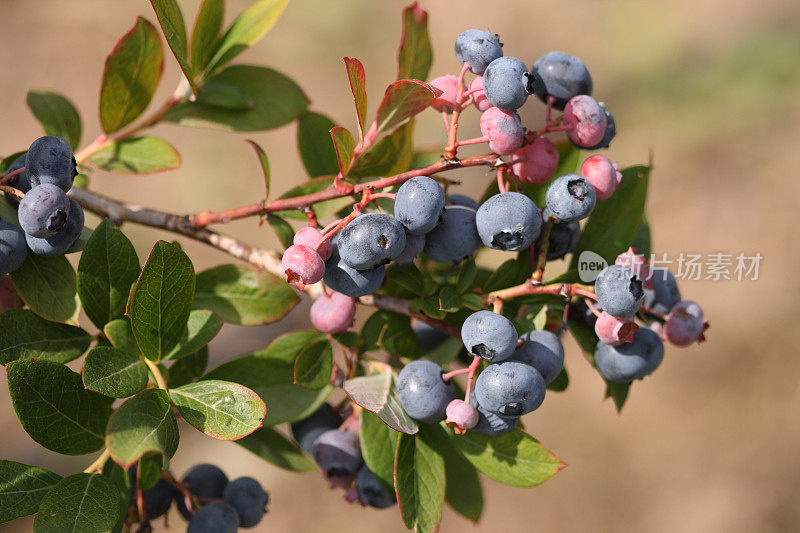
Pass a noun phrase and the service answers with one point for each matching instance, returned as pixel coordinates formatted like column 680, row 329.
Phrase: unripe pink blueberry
column 9, row 298
column 613, row 330
column 333, row 313
column 602, row 174
column 479, row 97
column 586, row 120
column 310, row 237
column 461, row 415
column 538, row 161
column 503, row 129
column 637, row 263
column 446, row 101
column 685, row 324
column 303, row 265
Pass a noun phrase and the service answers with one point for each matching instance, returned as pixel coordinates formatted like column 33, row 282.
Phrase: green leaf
column 145, row 423
column 207, row 27
column 57, row 116
column 131, row 75
column 390, row 155
column 313, row 141
column 403, row 100
column 47, row 285
column 322, row 209
column 415, row 56
column 419, row 479
column 249, row 27
column 224, row 95
column 618, row 392
column 463, row 486
column 642, row 242
column 274, row 448
column 585, row 337
column 244, row 296
column 560, row 383
column 449, row 299
column 345, row 145
column 55, row 409
column 446, row 352
column 162, row 300
column 377, row 394
column 113, row 372
column 170, row 17
column 188, row 368
column 81, row 503
column 120, row 333
column 22, row 487
column 466, row 276
column 201, row 328
column 393, row 333
column 137, row 155
column 504, row 276
column 540, row 320
column 614, row 223
column 407, row 276
column 264, row 162
column 107, row 270
column 287, row 347
column 472, row 301
column 358, row 86
column 149, row 471
column 282, row 229
column 220, row 409
column 378, row 443
column 24, row 335
column 314, row 365
column 430, row 306
column 513, row 458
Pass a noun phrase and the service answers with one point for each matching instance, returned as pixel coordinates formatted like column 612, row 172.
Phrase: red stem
column 473, row 367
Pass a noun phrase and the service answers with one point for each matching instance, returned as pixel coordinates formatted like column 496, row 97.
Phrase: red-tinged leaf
column 264, row 160
column 358, row 86
column 415, row 56
column 377, row 394
column 345, row 146
column 403, row 100
column 170, row 18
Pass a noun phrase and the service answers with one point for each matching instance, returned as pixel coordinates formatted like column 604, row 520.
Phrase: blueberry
column 50, row 160
column 489, row 335
column 562, row 76
column 158, row 498
column 418, row 204
column 248, row 498
column 62, row 241
column 21, row 182
column 685, row 324
column 204, row 481
column 414, row 246
column 343, row 278
column 333, row 313
column 570, row 198
column 13, row 249
column 564, row 237
column 371, row 492
column 505, row 83
column 586, row 121
column 463, row 200
column 43, row 211
column 216, row 517
column 508, row 221
column 503, row 129
column 456, row 238
column 665, row 293
column 490, row 423
column 510, row 389
column 630, row 360
column 302, row 265
column 423, row 393
column 619, row 291
column 610, row 133
column 543, row 351
column 338, row 453
column 306, row 431
column 478, row 48
column 371, row 240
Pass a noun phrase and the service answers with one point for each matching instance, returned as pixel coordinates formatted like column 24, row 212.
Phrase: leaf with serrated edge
column 358, row 86
column 47, row 285
column 201, row 328
column 415, row 56
column 80, row 503
column 378, row 443
column 314, row 365
column 22, row 487
column 264, row 162
column 419, row 481
column 25, row 335
column 276, row 449
column 113, row 372
column 137, row 155
column 376, row 393
column 145, row 423
column 220, row 409
column 57, row 116
column 170, row 17
column 345, row 146
column 403, row 99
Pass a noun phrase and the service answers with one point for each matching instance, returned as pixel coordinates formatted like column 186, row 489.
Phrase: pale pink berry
column 309, row 236
column 446, row 101
column 503, row 129
column 9, row 298
column 333, row 313
column 602, row 174
column 685, row 324
column 537, row 161
column 613, row 330
column 586, row 120
column 637, row 263
column 479, row 97
column 303, row 265
column 461, row 415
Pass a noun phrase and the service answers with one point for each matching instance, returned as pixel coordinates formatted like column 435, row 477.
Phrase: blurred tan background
column 710, row 443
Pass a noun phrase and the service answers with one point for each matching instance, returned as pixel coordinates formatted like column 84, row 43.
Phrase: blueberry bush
column 452, row 352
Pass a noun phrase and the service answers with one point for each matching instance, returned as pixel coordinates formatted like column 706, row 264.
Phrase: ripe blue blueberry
column 508, row 221
column 371, row 240
column 564, row 237
column 463, row 200
column 158, row 499
column 562, row 76
column 62, row 241
column 418, row 204
column 619, row 291
column 510, row 389
column 630, row 360
column 13, row 249
column 371, row 492
column 490, row 423
column 205, row 481
column 455, row 238
column 489, row 335
column 505, row 83
column 543, row 351
column 216, row 517
column 50, row 160
column 43, row 211
column 414, row 246
column 423, row 393
column 610, row 133
column 343, row 278
column 306, row 431
column 664, row 294
column 21, row 182
column 338, row 453
column 246, row 495
column 478, row 48
column 570, row 198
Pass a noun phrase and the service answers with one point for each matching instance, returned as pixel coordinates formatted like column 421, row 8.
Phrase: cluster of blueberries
column 51, row 221
column 338, row 453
